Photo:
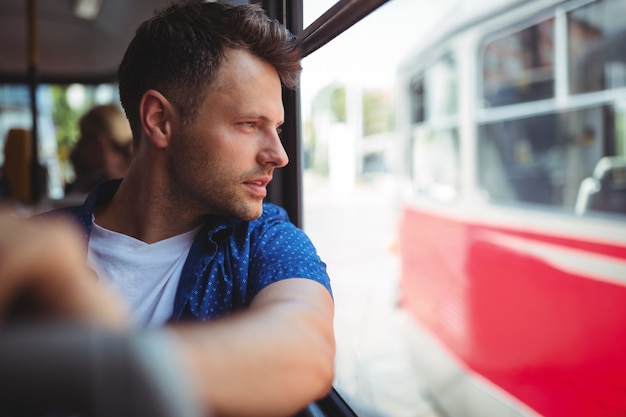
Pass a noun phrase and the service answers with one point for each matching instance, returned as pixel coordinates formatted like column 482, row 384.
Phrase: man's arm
column 271, row 360
column 43, row 273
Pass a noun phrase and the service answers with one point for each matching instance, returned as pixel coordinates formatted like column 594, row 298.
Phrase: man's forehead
column 241, row 66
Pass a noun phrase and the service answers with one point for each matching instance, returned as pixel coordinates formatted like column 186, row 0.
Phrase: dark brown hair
column 178, row 53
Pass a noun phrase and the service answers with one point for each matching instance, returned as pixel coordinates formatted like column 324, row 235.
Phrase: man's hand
column 44, row 274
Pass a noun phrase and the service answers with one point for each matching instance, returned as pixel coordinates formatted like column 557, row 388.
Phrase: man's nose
column 273, row 151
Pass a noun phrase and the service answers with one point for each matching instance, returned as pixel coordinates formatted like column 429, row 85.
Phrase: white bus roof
column 464, row 14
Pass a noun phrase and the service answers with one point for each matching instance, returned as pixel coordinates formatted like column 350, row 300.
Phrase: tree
column 377, row 112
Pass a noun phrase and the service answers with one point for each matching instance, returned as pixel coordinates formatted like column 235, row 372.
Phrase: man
column 185, row 236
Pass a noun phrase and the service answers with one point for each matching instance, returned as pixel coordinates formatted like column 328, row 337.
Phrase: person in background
column 185, row 239
column 104, row 150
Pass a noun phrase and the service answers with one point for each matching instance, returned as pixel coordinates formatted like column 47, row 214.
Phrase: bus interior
column 472, row 215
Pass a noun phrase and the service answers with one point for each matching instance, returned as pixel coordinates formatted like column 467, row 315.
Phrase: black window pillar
column 286, row 188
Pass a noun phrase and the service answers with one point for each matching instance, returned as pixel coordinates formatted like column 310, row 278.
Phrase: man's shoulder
column 74, row 214
column 272, row 216
column 273, row 220
column 272, row 211
column 83, row 213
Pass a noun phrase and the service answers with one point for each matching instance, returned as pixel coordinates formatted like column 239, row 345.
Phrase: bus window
column 15, row 113
column 519, row 67
column 517, row 159
column 436, row 162
column 596, row 54
column 544, row 159
column 60, row 107
column 418, row 106
column 442, row 92
column 434, row 137
column 557, row 155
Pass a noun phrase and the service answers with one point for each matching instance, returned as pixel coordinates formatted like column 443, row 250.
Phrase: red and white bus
column 513, row 228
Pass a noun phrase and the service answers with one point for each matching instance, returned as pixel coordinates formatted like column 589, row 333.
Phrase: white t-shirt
column 145, row 275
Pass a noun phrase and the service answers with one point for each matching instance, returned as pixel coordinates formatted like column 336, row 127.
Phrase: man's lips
column 262, row 182
column 257, row 186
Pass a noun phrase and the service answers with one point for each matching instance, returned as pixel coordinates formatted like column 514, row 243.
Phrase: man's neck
column 139, row 209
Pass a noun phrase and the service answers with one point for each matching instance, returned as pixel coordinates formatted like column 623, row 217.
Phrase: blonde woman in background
column 104, row 149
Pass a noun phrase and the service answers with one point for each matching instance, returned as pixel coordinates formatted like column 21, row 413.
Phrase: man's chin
column 252, row 212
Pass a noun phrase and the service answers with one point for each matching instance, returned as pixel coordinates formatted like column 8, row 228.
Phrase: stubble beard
column 235, row 205
column 226, row 198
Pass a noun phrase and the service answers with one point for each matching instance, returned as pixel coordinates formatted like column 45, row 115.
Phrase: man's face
column 222, row 163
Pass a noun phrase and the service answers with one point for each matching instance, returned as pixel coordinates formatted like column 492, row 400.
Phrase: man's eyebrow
column 258, row 116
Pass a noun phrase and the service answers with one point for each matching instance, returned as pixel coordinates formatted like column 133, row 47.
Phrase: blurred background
column 463, row 175
column 350, row 196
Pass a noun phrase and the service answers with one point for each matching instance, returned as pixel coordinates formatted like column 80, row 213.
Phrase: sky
column 368, row 54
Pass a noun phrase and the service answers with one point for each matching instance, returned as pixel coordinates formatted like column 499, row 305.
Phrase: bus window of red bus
column 567, row 150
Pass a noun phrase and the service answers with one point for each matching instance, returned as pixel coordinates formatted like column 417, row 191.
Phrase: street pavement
column 354, row 230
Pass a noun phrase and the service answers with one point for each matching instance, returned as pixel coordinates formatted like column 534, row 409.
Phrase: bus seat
column 605, row 190
column 88, row 371
column 16, row 169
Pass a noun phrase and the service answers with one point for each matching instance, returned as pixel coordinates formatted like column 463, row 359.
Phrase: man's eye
column 279, row 130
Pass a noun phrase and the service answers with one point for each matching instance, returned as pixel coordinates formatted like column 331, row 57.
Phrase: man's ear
column 155, row 114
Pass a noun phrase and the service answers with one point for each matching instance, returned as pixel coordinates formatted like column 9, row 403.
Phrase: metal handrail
column 343, row 15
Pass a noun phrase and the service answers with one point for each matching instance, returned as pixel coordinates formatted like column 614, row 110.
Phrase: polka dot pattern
column 230, row 260
column 233, row 260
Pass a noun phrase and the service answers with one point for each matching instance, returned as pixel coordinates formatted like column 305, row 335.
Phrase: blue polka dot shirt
column 230, row 260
